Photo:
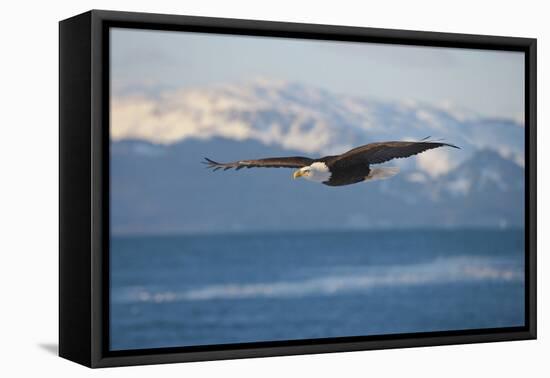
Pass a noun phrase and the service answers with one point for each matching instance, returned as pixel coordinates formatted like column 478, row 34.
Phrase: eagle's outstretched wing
column 277, row 162
column 376, row 153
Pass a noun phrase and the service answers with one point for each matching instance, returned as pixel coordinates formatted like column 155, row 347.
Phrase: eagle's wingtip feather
column 210, row 161
column 214, row 165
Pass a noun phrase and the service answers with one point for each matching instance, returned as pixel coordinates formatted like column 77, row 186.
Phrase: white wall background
column 29, row 188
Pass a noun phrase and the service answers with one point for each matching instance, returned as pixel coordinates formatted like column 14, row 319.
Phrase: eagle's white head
column 317, row 172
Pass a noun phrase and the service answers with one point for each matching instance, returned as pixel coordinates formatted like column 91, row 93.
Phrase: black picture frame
column 84, row 187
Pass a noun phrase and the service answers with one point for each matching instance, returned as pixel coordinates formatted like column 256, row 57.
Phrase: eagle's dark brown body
column 346, row 173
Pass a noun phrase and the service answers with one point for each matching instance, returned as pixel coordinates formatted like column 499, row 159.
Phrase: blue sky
column 487, row 82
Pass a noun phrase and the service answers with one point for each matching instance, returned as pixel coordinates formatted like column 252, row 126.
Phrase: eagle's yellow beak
column 297, row 174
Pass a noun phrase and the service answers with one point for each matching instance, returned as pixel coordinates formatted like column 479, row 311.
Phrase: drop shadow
column 51, row 348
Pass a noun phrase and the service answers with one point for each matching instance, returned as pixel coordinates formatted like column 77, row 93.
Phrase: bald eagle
column 348, row 168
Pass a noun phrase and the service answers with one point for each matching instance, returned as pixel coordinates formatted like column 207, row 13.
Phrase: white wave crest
column 440, row 271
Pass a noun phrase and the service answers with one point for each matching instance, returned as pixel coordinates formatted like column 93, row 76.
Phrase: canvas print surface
column 270, row 189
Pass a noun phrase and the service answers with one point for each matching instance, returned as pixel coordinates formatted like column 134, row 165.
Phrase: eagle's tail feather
column 381, row 173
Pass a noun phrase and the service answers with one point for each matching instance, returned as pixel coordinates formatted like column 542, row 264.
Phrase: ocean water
column 214, row 289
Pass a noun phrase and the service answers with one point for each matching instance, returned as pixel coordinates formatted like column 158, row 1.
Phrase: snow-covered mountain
column 298, row 117
column 160, row 137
